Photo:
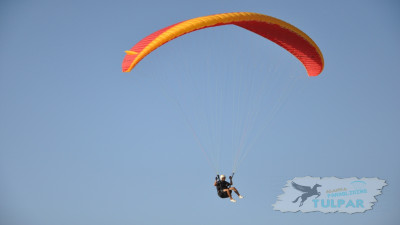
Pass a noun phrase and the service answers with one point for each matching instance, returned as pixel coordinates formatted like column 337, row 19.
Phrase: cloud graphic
column 329, row 194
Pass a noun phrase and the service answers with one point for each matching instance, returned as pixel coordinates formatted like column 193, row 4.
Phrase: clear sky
column 83, row 143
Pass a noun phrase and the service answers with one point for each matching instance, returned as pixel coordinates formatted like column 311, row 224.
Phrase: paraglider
column 290, row 38
column 224, row 189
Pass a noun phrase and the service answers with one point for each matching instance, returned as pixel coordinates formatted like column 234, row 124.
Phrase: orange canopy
column 287, row 36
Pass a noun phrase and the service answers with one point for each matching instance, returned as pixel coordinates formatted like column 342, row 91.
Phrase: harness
column 221, row 193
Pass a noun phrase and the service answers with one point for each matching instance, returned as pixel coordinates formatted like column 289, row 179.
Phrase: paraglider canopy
column 287, row 36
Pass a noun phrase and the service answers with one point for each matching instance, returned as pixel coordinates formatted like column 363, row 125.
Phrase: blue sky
column 83, row 143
